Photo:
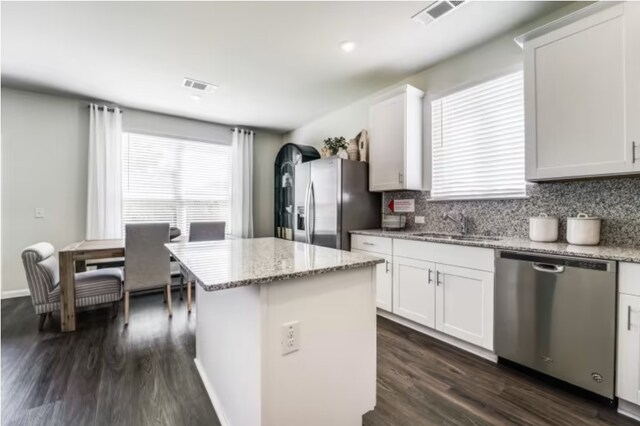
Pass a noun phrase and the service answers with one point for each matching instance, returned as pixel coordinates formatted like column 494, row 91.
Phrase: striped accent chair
column 43, row 276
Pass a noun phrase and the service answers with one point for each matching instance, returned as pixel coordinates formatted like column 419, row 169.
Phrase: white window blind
column 174, row 180
column 478, row 141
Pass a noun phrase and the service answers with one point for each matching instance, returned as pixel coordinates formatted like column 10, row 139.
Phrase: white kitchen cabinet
column 384, row 280
column 464, row 304
column 395, row 140
column 414, row 290
column 446, row 287
column 628, row 386
column 628, row 353
column 582, row 95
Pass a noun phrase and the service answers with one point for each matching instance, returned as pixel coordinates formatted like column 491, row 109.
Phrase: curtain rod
column 241, row 130
column 101, row 108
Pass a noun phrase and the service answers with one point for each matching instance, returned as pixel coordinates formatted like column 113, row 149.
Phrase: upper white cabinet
column 395, row 144
column 582, row 95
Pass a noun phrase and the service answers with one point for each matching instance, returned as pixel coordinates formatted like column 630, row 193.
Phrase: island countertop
column 219, row 265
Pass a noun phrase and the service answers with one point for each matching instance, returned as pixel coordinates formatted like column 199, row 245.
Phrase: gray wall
column 44, row 164
column 489, row 60
column 616, row 200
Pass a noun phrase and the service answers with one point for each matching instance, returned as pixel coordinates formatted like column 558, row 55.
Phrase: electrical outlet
column 290, row 337
column 39, row 213
column 419, row 219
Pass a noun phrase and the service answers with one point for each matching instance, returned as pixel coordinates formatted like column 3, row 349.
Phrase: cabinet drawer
column 368, row 243
column 629, row 278
column 448, row 254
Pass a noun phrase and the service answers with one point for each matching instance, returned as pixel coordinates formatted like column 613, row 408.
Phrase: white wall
column 491, row 59
column 44, row 164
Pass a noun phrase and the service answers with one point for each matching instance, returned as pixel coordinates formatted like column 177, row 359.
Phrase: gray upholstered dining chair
column 43, row 277
column 146, row 262
column 200, row 231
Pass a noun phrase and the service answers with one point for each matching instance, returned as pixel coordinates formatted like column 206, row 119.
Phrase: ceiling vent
column 200, row 86
column 437, row 10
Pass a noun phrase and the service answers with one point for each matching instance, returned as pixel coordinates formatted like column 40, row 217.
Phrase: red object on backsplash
column 390, row 205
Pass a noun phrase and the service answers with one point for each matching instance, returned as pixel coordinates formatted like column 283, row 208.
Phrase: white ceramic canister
column 543, row 228
column 583, row 230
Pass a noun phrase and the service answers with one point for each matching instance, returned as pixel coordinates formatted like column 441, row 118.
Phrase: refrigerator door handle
column 312, row 213
column 306, row 212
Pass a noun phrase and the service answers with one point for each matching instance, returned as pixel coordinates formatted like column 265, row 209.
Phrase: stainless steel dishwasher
column 556, row 315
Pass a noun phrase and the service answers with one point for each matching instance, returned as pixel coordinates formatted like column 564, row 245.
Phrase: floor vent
column 437, row 10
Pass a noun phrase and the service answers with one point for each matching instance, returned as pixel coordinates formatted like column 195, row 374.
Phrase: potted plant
column 333, row 145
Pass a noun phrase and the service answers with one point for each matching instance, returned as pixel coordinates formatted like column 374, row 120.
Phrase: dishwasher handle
column 548, row 268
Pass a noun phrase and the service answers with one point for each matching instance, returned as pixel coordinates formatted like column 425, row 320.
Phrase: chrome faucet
column 462, row 222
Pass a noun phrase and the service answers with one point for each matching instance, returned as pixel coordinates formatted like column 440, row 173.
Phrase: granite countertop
column 219, row 265
column 622, row 254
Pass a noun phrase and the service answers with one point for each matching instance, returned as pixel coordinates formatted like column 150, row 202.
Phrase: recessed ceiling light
column 196, row 97
column 347, row 46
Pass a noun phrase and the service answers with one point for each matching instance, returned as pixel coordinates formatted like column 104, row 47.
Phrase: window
column 478, row 141
column 174, row 180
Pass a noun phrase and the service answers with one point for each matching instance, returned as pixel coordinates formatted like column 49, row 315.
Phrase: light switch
column 39, row 213
column 419, row 219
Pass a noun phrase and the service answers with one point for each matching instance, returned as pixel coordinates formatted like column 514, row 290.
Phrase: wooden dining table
column 73, row 258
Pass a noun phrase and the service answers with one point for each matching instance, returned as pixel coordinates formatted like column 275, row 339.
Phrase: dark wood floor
column 104, row 374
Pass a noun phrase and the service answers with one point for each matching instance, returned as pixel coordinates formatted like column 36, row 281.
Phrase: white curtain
column 104, row 190
column 242, row 183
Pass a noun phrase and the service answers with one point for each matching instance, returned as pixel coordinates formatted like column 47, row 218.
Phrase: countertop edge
column 505, row 244
column 279, row 277
column 287, row 276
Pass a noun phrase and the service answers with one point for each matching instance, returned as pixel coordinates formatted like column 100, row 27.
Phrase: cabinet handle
column 400, row 177
column 386, row 266
column 629, row 317
column 438, row 278
column 368, row 244
column 633, row 152
column 430, row 279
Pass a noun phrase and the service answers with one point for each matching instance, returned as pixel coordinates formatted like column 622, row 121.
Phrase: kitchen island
column 285, row 331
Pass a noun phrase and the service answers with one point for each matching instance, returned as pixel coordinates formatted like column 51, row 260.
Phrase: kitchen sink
column 457, row 237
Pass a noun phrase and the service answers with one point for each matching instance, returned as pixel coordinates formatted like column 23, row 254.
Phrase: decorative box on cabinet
column 395, row 148
column 582, row 94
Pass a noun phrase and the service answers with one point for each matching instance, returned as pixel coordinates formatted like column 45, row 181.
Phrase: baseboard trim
column 217, row 404
column 628, row 409
column 476, row 350
column 10, row 294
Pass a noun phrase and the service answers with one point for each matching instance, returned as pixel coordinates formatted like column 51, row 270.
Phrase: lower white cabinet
column 384, row 278
column 464, row 304
column 628, row 359
column 441, row 286
column 454, row 300
column 414, row 295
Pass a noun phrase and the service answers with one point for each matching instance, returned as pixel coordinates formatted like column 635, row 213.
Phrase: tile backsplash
column 616, row 201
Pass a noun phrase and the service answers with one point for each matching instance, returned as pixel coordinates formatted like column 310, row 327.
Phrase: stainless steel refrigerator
column 331, row 198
